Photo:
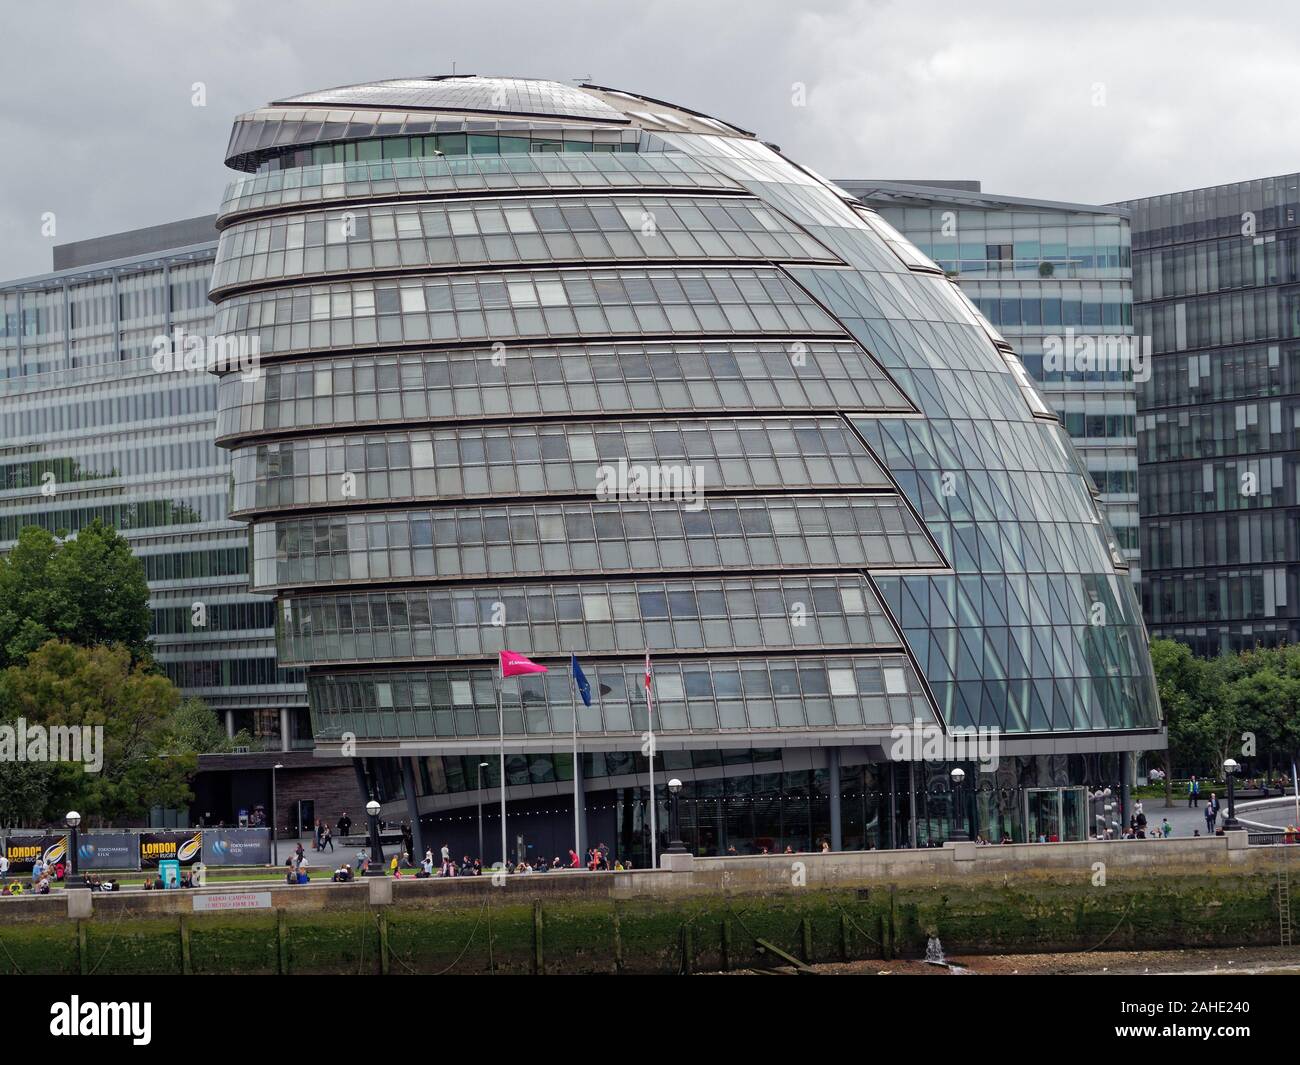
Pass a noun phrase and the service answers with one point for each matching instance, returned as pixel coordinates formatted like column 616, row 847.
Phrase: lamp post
column 481, row 766
column 275, row 850
column 675, row 844
column 376, row 851
column 958, row 775
column 72, row 879
column 1230, row 823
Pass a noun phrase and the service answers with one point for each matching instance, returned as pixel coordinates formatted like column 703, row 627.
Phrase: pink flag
column 513, row 664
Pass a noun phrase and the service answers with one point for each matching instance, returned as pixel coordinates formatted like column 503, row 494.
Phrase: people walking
column 345, row 824
column 1193, row 792
column 326, row 838
column 1211, row 813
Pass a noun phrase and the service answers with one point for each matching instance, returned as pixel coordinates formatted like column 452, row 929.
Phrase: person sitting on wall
column 303, row 878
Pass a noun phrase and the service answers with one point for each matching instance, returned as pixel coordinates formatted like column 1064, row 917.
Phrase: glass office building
column 1056, row 280
column 1218, row 291
column 89, row 428
column 563, row 369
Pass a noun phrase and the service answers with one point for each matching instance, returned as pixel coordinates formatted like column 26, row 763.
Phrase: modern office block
column 565, row 370
column 90, row 427
column 1215, row 282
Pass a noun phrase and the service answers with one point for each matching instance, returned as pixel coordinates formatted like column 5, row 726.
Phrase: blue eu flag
column 580, row 679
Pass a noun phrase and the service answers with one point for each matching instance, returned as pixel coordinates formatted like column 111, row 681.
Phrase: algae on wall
column 508, row 933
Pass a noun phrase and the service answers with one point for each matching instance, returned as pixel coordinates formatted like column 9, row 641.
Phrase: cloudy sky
column 1091, row 102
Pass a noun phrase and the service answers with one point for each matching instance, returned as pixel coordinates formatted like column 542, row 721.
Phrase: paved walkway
column 1184, row 820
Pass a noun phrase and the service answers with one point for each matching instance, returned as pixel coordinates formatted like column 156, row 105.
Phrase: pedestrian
column 345, row 824
column 1165, row 827
column 1193, row 791
column 4, row 868
column 316, row 833
column 38, row 871
column 604, row 856
column 326, row 838
column 1211, row 813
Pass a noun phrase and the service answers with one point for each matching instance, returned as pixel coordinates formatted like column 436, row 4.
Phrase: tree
column 1189, row 688
column 132, row 711
column 25, row 789
column 196, row 729
column 89, row 590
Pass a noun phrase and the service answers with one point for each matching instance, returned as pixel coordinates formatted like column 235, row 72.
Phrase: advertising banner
column 236, row 846
column 22, row 851
column 107, row 850
column 185, row 846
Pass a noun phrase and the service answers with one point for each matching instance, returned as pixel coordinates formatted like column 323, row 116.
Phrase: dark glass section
column 1217, row 288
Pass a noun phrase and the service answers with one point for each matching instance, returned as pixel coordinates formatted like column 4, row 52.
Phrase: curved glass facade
column 672, row 393
column 690, row 376
column 745, row 532
column 702, row 454
column 444, row 235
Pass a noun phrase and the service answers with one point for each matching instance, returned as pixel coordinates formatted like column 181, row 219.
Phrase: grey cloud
column 98, row 127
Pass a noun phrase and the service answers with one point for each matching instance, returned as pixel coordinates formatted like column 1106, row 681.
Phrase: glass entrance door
column 1055, row 815
column 1043, row 815
column 1074, row 809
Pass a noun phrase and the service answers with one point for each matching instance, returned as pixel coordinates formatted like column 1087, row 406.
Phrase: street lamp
column 376, row 851
column 958, row 774
column 1230, row 823
column 73, row 879
column 275, row 850
column 675, row 844
column 481, row 766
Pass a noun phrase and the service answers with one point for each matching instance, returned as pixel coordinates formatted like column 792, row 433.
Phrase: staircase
column 1283, row 896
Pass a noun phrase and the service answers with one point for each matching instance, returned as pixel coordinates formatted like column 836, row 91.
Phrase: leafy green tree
column 1188, row 687
column 89, row 591
column 63, row 684
column 25, row 789
column 196, row 729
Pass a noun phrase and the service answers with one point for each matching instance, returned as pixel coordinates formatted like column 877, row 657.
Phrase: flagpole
column 650, row 727
column 501, row 722
column 577, row 776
